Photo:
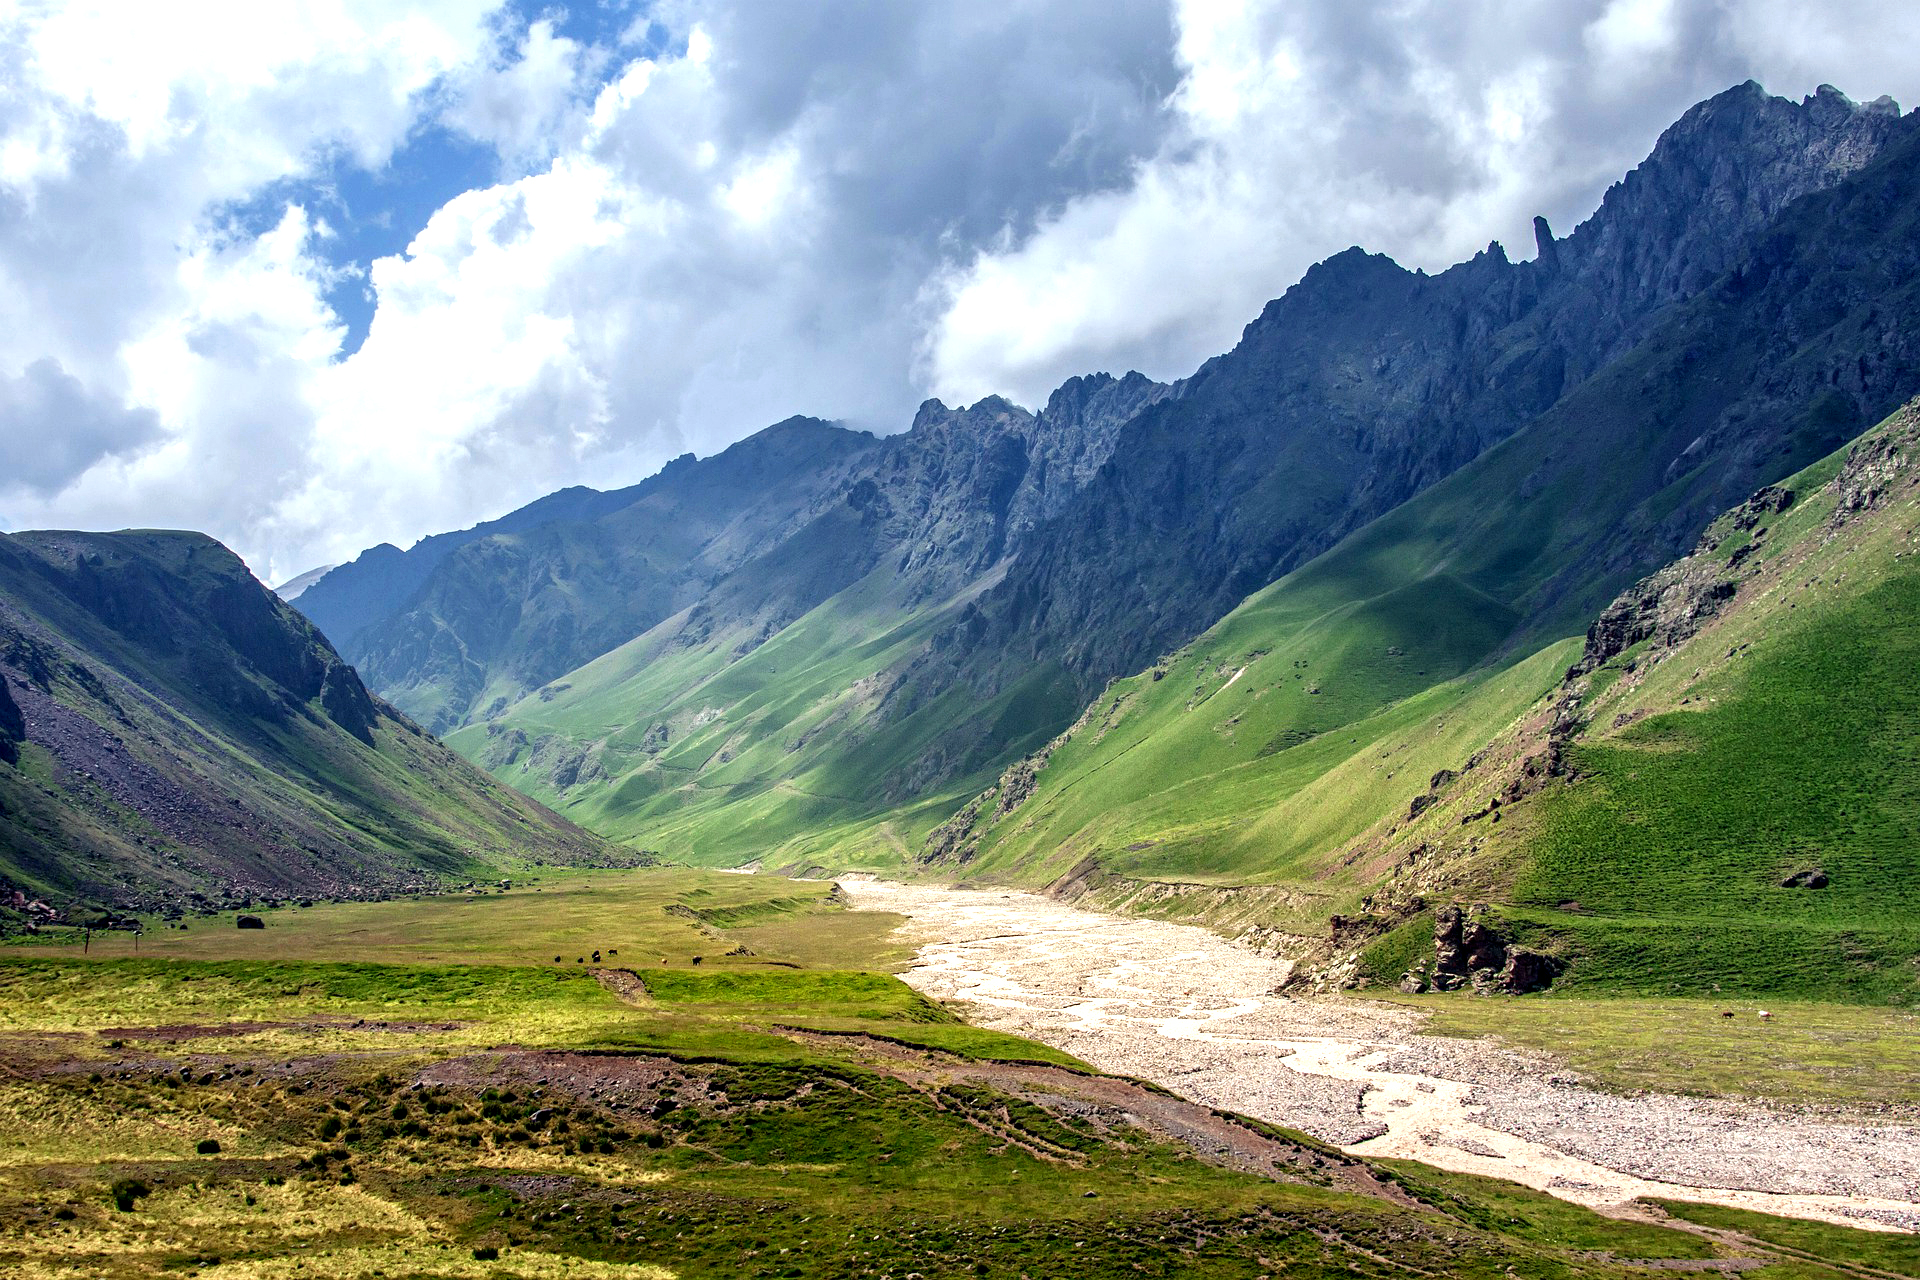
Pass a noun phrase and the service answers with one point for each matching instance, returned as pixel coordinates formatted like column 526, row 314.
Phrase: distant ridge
column 292, row 588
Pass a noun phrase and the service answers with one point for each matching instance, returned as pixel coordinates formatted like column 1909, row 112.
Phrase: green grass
column 1809, row 757
column 732, row 1151
column 549, row 912
column 1784, row 737
column 1806, row 1053
column 407, row 1118
column 1892, row 1253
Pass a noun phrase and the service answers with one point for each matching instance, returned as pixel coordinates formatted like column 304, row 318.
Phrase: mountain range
column 1291, row 646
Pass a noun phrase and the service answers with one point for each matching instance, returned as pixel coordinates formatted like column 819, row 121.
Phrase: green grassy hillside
column 1703, row 770
column 725, row 752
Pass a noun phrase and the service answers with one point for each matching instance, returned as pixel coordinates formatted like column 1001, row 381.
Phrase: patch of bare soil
column 624, row 983
column 581, row 1075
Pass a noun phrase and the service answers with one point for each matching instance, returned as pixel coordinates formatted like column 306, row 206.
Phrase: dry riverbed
column 1188, row 1010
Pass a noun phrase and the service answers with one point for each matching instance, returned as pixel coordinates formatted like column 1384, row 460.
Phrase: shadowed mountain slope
column 170, row 728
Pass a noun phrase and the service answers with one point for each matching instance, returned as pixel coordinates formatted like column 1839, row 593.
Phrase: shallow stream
column 1199, row 1015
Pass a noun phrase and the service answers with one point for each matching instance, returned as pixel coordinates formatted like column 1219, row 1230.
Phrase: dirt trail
column 1190, row 1011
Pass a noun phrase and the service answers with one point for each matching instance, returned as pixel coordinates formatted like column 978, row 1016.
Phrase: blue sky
column 376, row 212
column 310, row 279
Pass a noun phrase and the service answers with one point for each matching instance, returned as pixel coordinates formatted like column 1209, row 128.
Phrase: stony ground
column 1185, row 1009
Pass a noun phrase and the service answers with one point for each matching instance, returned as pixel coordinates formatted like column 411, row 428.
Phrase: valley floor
column 1185, row 1009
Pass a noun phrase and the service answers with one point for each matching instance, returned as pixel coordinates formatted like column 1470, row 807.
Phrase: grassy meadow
column 657, row 918
column 416, row 1088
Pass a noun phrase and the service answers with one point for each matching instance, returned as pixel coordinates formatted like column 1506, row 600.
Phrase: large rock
column 1469, row 951
column 1526, row 970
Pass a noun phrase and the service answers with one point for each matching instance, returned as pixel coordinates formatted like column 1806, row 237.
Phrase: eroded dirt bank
column 1190, row 1011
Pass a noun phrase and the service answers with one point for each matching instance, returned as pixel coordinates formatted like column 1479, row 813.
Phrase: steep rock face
column 1366, row 383
column 1725, row 170
column 13, row 728
column 194, row 735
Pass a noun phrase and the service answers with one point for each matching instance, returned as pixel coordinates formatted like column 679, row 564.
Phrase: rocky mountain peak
column 1715, row 177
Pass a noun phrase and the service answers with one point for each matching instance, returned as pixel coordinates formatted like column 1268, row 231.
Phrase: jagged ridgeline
column 1212, row 633
column 170, row 730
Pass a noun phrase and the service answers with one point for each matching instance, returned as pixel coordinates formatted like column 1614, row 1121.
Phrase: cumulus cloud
column 709, row 214
column 522, row 102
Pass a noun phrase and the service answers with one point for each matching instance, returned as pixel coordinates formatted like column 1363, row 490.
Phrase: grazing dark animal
column 1726, row 1013
column 250, row 922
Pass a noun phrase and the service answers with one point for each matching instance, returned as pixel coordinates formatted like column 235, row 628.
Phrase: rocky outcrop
column 1670, row 606
column 1468, row 951
column 1876, row 468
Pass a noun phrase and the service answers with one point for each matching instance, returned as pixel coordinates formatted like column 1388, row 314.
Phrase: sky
column 315, row 275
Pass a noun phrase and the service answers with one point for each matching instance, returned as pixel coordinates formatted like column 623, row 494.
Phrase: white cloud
column 526, row 106
column 835, row 208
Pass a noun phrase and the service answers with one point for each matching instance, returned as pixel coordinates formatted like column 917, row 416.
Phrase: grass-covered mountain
column 1421, row 480
column 1681, row 344
column 1649, row 808
column 1723, row 792
column 169, row 729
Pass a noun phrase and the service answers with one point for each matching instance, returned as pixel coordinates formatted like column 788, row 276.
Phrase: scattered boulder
column 1811, row 878
column 1528, row 970
column 250, row 922
column 1770, row 501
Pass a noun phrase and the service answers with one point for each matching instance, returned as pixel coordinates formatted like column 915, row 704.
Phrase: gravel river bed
column 1197, row 1014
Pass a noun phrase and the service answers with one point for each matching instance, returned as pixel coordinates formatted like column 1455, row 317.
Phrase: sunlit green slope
column 1736, row 805
column 717, row 756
